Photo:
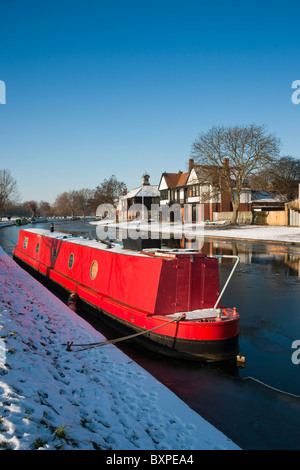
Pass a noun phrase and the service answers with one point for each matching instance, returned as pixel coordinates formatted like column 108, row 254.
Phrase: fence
column 270, row 218
column 244, row 217
column 261, row 217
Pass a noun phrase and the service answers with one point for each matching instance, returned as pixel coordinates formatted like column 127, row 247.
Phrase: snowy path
column 94, row 399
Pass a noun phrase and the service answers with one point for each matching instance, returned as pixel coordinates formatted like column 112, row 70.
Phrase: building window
column 94, row 270
column 164, row 194
column 195, row 190
column 71, row 260
column 25, row 243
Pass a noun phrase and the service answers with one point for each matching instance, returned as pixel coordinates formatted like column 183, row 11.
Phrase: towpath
column 95, row 399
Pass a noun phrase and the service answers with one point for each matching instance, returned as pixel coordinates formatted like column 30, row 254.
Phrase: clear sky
column 95, row 88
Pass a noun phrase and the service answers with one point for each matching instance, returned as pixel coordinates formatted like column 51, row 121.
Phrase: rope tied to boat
column 84, row 347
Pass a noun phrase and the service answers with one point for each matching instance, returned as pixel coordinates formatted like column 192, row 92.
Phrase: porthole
column 54, row 254
column 37, row 248
column 71, row 260
column 94, row 270
column 25, row 243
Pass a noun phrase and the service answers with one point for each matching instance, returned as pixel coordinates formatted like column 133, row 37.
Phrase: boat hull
column 206, row 340
column 198, row 350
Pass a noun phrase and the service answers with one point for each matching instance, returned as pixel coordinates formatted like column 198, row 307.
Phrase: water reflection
column 280, row 259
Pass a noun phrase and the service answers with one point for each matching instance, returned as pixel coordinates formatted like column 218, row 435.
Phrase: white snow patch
column 94, row 399
column 200, row 230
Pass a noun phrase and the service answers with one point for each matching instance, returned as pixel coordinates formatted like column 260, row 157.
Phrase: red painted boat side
column 140, row 291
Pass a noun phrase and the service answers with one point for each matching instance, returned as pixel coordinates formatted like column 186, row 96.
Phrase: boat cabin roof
column 114, row 246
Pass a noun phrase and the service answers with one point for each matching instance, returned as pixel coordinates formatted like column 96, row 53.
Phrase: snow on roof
column 142, row 191
column 263, row 196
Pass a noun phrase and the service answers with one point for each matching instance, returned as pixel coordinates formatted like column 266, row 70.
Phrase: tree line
column 69, row 203
column 232, row 157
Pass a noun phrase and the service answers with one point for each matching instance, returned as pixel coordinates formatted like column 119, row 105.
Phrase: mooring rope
column 118, row 340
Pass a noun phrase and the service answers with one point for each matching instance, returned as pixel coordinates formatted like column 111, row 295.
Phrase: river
column 257, row 406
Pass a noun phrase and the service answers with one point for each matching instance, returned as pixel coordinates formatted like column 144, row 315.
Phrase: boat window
column 54, row 254
column 71, row 260
column 37, row 248
column 25, row 243
column 94, row 270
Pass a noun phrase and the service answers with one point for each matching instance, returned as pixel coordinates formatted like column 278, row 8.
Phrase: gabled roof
column 143, row 191
column 175, row 179
column 201, row 172
column 204, row 174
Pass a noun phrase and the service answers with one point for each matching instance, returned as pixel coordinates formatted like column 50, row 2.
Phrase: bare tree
column 72, row 202
column 108, row 192
column 67, row 203
column 231, row 154
column 61, row 204
column 85, row 198
column 33, row 205
column 8, row 190
column 281, row 177
column 45, row 208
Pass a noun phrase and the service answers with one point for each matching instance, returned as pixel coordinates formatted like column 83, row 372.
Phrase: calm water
column 257, row 406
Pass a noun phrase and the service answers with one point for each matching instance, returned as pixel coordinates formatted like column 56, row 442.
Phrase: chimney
column 226, row 162
column 191, row 163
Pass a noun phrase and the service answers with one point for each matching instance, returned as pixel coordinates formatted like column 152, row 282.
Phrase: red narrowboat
column 171, row 297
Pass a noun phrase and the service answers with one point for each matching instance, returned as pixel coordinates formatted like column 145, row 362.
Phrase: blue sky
column 98, row 88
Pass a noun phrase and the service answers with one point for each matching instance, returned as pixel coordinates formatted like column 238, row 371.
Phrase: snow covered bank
column 94, row 399
column 280, row 234
column 6, row 224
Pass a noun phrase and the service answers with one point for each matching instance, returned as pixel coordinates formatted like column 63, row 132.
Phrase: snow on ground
column 6, row 224
column 95, row 399
column 256, row 232
column 277, row 234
